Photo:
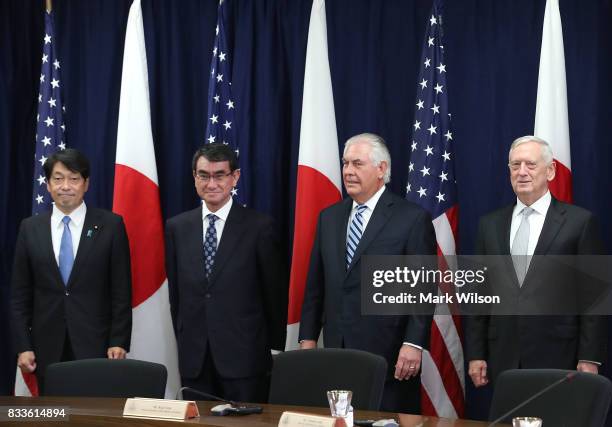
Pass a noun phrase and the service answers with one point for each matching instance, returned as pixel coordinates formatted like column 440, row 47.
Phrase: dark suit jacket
column 240, row 312
column 94, row 309
column 507, row 342
column 333, row 298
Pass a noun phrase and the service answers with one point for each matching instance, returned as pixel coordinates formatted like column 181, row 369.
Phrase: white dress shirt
column 536, row 220
column 77, row 219
column 221, row 215
column 367, row 213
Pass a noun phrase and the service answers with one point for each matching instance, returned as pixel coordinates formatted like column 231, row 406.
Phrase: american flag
column 49, row 121
column 431, row 184
column 220, row 127
column 49, row 138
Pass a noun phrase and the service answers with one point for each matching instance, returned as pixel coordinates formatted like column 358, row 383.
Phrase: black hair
column 216, row 153
column 73, row 159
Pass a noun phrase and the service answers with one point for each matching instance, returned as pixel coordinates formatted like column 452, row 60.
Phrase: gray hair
column 547, row 153
column 379, row 152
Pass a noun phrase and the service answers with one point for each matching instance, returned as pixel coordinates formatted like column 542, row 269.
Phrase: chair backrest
column 106, row 378
column 581, row 401
column 302, row 377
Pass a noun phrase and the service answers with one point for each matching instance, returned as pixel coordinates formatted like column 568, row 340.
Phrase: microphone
column 566, row 378
column 208, row 396
column 230, row 408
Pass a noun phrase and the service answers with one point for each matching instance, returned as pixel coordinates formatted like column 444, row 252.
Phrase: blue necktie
column 354, row 234
column 210, row 244
column 66, row 254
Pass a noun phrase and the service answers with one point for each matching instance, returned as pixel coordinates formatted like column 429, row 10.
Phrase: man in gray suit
column 371, row 221
column 537, row 224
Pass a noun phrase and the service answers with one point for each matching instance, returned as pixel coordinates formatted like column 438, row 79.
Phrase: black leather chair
column 581, row 401
column 302, row 377
column 106, row 378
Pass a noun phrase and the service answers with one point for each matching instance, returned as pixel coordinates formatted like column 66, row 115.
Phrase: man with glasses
column 71, row 286
column 537, row 224
column 228, row 285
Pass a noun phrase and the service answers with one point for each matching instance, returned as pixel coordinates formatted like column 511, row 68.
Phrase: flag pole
column 49, row 6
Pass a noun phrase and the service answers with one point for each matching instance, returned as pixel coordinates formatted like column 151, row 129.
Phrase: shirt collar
column 221, row 213
column 371, row 203
column 77, row 216
column 540, row 206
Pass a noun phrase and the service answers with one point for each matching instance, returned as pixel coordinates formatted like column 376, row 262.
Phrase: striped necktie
column 354, row 234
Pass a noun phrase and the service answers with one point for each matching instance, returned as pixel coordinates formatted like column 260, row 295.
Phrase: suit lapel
column 503, row 230
column 232, row 231
column 341, row 230
column 380, row 216
column 552, row 224
column 91, row 227
column 194, row 239
column 43, row 231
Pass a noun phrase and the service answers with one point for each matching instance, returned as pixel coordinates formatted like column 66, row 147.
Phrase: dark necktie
column 210, row 244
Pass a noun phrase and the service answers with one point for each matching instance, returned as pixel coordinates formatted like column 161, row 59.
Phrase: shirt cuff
column 590, row 361
column 413, row 345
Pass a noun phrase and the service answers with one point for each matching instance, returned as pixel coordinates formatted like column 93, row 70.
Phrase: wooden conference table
column 107, row 412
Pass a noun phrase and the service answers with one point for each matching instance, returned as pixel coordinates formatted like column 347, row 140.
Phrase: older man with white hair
column 536, row 224
column 371, row 221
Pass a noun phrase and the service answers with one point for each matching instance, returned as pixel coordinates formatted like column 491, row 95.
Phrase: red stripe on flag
column 315, row 192
column 561, row 186
column 453, row 219
column 427, row 408
column 30, row 381
column 446, row 368
column 440, row 353
column 145, row 235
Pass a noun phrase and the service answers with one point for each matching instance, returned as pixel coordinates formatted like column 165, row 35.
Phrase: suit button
column 207, row 296
column 67, row 293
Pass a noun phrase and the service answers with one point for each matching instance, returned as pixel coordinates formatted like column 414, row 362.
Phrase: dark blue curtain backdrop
column 492, row 52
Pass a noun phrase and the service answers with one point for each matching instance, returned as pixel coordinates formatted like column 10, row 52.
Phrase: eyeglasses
column 218, row 177
column 517, row 165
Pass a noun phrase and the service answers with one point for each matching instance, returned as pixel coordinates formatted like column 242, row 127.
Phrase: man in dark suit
column 71, row 287
column 228, row 285
column 537, row 225
column 371, row 221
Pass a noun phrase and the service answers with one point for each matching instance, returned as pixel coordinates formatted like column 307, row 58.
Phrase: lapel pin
column 89, row 233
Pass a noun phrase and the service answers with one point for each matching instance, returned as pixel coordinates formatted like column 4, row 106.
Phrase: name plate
column 300, row 419
column 160, row 408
